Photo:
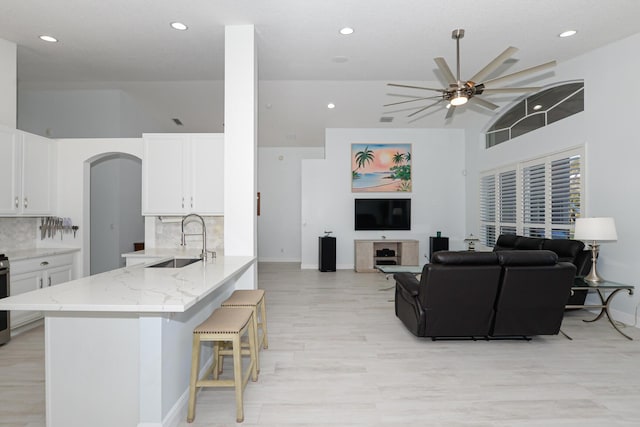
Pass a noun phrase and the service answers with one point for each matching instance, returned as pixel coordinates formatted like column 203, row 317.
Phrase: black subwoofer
column 327, row 253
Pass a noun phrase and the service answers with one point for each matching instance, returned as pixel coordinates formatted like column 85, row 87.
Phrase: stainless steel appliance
column 5, row 326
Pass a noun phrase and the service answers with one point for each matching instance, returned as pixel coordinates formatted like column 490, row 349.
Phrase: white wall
column 74, row 156
column 8, row 83
column 119, row 109
column 76, row 113
column 609, row 134
column 438, row 197
column 279, row 184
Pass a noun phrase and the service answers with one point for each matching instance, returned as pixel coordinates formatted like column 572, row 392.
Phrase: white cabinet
column 183, row 173
column 26, row 174
column 37, row 273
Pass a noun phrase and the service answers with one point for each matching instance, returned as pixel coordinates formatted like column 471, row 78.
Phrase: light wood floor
column 338, row 356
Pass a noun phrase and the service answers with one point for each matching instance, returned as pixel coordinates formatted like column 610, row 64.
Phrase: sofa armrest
column 408, row 283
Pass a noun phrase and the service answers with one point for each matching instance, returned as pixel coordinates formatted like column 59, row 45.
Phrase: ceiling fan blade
column 450, row 112
column 424, row 108
column 412, row 100
column 511, row 90
column 484, row 103
column 493, row 65
column 446, row 71
column 519, row 74
column 415, row 87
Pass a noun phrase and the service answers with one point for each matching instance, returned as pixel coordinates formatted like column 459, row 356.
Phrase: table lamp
column 471, row 242
column 594, row 231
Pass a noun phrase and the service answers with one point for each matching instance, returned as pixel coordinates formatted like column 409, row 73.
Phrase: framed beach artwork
column 378, row 168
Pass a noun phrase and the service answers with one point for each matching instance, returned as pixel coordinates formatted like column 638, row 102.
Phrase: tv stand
column 369, row 253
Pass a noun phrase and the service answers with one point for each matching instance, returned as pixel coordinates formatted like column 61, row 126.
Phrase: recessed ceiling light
column 331, row 105
column 49, row 39
column 568, row 33
column 178, row 26
column 537, row 107
column 346, row 31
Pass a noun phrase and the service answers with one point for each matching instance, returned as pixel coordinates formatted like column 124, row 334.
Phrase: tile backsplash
column 17, row 233
column 167, row 234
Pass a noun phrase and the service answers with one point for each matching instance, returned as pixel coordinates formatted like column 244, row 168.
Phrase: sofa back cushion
column 533, row 293
column 464, row 258
column 527, row 258
column 505, row 241
column 567, row 250
column 528, row 243
column 458, row 299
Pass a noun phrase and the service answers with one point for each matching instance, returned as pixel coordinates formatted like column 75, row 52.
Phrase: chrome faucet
column 183, row 242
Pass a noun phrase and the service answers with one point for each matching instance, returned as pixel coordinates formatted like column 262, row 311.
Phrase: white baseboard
column 315, row 267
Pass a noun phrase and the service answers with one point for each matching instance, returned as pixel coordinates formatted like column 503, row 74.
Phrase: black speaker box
column 327, row 253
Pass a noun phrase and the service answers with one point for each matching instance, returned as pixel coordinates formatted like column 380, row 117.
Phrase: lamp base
column 593, row 275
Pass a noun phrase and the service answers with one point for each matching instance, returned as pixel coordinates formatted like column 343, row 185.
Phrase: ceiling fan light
column 458, row 100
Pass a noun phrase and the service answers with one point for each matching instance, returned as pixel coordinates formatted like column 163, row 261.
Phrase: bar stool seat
column 255, row 299
column 225, row 325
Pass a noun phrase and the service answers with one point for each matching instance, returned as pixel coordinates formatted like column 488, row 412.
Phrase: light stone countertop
column 24, row 254
column 135, row 289
column 184, row 252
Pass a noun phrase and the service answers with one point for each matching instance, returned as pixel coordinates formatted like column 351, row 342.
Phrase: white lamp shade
column 596, row 229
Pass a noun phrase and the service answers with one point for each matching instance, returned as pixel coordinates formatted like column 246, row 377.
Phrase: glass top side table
column 601, row 288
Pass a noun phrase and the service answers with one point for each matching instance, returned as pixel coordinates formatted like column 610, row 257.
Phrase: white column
column 8, row 83
column 240, row 146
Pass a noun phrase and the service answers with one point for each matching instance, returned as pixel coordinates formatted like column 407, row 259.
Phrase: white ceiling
column 298, row 40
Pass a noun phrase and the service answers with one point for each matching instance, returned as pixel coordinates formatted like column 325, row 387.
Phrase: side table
column 601, row 288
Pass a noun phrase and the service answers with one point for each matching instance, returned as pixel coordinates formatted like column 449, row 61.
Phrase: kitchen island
column 118, row 344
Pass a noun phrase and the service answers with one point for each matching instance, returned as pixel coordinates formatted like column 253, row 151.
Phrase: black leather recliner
column 533, row 293
column 485, row 294
column 567, row 250
column 454, row 298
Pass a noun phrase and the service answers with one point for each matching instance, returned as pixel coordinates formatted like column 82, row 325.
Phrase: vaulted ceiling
column 303, row 60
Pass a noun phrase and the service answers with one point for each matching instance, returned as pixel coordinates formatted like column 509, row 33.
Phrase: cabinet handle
column 17, row 202
column 41, row 283
column 191, row 202
column 49, row 280
column 183, row 203
column 44, row 263
column 26, row 202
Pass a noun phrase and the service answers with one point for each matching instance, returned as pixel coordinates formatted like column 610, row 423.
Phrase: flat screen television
column 383, row 214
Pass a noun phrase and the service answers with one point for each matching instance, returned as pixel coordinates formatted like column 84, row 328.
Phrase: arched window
column 536, row 111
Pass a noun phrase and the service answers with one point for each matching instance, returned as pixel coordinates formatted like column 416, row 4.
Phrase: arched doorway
column 115, row 218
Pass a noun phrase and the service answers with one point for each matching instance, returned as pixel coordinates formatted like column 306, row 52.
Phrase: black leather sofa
column 505, row 294
column 567, row 250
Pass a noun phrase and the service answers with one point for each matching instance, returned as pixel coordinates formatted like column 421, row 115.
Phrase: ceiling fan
column 460, row 91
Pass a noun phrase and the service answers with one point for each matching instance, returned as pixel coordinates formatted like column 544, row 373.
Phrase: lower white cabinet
column 37, row 273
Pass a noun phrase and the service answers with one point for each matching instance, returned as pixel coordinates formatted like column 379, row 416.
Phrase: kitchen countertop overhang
column 135, row 289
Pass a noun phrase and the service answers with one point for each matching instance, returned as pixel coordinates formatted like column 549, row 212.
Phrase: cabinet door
column 162, row 175
column 36, row 175
column 207, row 174
column 58, row 275
column 21, row 283
column 9, row 183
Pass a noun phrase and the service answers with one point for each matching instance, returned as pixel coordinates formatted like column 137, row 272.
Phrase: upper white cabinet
column 183, row 173
column 26, row 174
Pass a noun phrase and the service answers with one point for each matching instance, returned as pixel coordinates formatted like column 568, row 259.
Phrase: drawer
column 40, row 263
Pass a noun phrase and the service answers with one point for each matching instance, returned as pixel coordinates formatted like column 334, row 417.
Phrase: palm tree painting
column 380, row 167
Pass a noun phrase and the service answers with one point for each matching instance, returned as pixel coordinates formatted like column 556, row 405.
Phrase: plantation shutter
column 488, row 210
column 508, row 202
column 534, row 200
column 537, row 198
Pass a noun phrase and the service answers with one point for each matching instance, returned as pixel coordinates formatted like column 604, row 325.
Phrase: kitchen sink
column 174, row 263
